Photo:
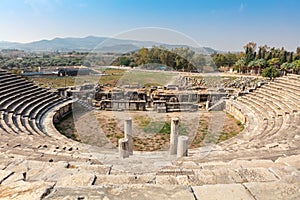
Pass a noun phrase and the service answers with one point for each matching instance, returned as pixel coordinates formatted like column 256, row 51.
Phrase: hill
column 101, row 44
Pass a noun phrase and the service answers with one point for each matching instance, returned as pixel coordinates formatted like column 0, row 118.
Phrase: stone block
column 221, row 192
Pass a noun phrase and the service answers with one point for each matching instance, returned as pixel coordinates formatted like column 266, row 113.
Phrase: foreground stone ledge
column 25, row 190
column 274, row 190
column 222, row 192
column 135, row 192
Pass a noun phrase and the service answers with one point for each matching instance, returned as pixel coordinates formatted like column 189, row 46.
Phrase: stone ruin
column 178, row 144
column 190, row 95
column 262, row 162
column 171, row 98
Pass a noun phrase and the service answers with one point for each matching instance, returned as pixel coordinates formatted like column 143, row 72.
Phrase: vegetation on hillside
column 253, row 60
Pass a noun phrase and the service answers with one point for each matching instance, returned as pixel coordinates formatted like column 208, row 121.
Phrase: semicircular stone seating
column 261, row 162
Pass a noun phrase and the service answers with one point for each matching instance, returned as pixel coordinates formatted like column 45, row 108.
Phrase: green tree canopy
column 270, row 72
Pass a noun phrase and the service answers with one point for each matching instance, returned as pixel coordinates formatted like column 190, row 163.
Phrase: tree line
column 30, row 61
column 264, row 60
column 180, row 59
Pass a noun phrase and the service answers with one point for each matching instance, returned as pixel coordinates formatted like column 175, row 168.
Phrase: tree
column 262, row 52
column 297, row 54
column 290, row 57
column 124, row 60
column 274, row 62
column 283, row 57
column 142, row 56
column 231, row 58
column 251, row 64
column 199, row 61
column 270, row 72
column 240, row 63
column 285, row 67
column 250, row 53
column 295, row 66
column 219, row 60
column 260, row 63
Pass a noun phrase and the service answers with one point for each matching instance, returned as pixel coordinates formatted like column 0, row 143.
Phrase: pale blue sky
column 220, row 24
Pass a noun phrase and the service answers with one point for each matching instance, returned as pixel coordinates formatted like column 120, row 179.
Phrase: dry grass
column 151, row 134
column 112, row 78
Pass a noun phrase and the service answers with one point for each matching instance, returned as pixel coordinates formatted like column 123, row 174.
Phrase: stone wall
column 61, row 112
column 232, row 109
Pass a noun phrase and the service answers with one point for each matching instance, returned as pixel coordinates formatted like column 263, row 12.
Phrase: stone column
column 182, row 149
column 174, row 136
column 89, row 101
column 123, row 148
column 190, row 98
column 207, row 105
column 128, row 134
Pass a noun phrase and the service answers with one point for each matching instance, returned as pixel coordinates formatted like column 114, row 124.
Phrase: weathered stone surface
column 183, row 180
column 125, row 179
column 286, row 173
column 256, row 175
column 82, row 166
column 274, row 190
column 290, row 160
column 134, row 192
column 14, row 178
column 226, row 176
column 50, row 173
column 251, row 163
column 166, row 180
column 204, row 177
column 221, row 192
column 25, row 190
column 80, row 179
column 4, row 174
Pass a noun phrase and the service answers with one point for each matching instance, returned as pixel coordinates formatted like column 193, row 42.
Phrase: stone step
column 116, row 192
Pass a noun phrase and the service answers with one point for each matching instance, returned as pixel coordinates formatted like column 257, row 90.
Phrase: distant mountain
column 7, row 45
column 90, row 43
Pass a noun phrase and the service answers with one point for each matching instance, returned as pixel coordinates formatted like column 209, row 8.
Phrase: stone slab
column 4, row 174
column 290, row 160
column 274, row 190
column 221, row 192
column 25, row 190
column 80, row 179
column 125, row 179
column 256, row 174
column 13, row 178
column 226, row 176
column 133, row 192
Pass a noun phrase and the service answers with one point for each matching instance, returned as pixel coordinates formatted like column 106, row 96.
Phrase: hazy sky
column 220, row 24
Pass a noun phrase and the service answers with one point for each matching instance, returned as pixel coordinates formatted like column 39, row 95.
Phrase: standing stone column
column 128, row 134
column 207, row 105
column 174, row 136
column 123, row 148
column 182, row 149
column 89, row 101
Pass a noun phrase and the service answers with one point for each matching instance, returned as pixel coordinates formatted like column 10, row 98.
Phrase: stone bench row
column 13, row 100
column 293, row 88
column 22, row 86
column 275, row 124
column 288, row 80
column 288, row 93
column 262, row 125
column 288, row 98
column 276, row 110
column 31, row 124
column 23, row 105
